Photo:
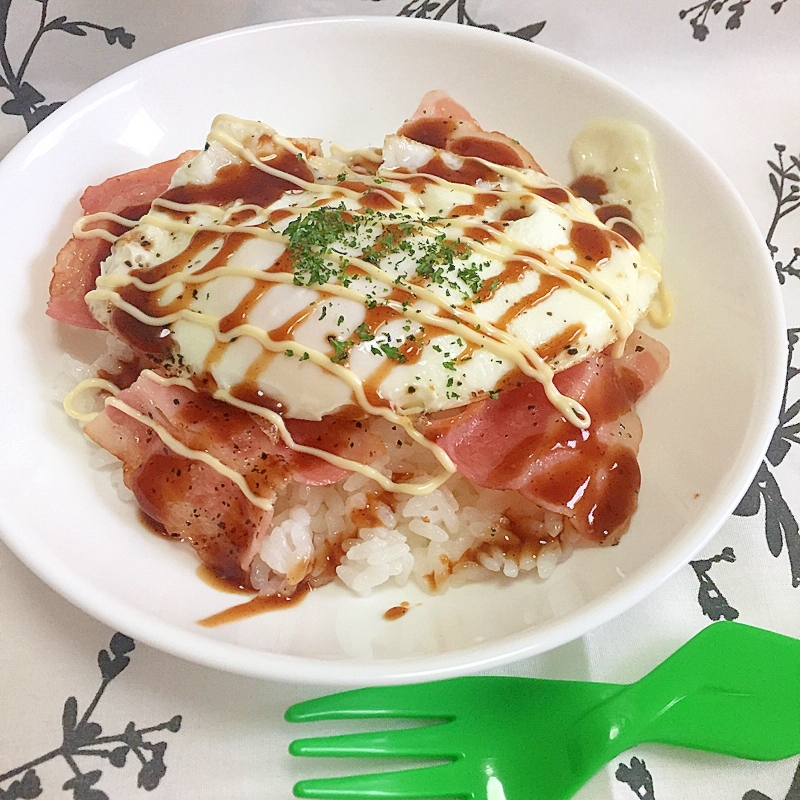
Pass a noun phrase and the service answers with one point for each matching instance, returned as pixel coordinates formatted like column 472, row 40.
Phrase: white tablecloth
column 728, row 73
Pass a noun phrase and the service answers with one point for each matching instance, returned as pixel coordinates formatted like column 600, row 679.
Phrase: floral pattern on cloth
column 772, row 509
column 83, row 742
column 26, row 100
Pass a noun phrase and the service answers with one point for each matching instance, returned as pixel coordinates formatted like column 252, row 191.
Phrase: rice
column 368, row 537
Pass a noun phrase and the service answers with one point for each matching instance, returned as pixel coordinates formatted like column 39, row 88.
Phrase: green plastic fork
column 732, row 689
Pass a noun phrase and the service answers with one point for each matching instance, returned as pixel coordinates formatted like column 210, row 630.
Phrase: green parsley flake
column 340, row 349
column 364, row 333
column 310, row 239
column 393, row 353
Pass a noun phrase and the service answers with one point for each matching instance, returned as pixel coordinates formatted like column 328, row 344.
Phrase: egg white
column 622, row 287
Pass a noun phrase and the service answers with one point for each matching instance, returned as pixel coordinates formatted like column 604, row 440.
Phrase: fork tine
column 412, row 701
column 431, row 741
column 409, row 784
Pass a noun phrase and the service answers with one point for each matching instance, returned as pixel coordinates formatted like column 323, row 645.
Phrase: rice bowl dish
column 63, row 518
column 417, row 360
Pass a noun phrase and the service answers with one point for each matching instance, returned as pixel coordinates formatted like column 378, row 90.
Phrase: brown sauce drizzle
column 480, row 203
column 353, row 186
column 479, row 234
column 125, row 375
column 494, row 150
column 155, row 527
column 258, row 366
column 512, row 542
column 628, row 232
column 510, row 214
column 433, row 132
column 371, row 386
column 242, row 311
column 379, row 201
column 201, row 240
column 547, row 285
column 590, row 243
column 368, row 517
column 619, row 214
column 210, row 578
column 232, row 242
column 279, row 214
column 560, row 342
column 286, row 331
column 416, row 183
column 258, row 605
column 513, row 271
column 555, row 194
column 240, row 217
column 245, row 182
column 605, row 213
column 375, row 318
column 283, row 264
column 362, row 164
column 401, row 295
column 152, row 340
column 395, row 612
column 590, row 188
column 372, row 196
column 469, row 173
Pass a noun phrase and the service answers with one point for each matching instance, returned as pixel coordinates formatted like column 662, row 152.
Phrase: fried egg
column 404, row 280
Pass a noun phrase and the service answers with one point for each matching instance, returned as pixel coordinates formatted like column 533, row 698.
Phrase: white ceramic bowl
column 351, row 81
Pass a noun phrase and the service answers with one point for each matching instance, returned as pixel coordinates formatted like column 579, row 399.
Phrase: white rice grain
column 548, row 558
column 289, row 547
column 379, row 555
column 456, row 534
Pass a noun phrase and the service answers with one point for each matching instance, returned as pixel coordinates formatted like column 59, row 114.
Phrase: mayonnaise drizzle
column 427, row 487
column 90, row 384
column 98, row 384
column 458, row 320
column 102, row 385
column 79, row 228
column 196, row 455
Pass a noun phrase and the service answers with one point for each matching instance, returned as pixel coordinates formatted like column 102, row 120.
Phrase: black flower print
column 784, row 178
column 780, row 523
column 26, row 101
column 711, row 599
column 734, row 9
column 638, row 777
column 438, row 9
column 792, row 794
column 82, row 743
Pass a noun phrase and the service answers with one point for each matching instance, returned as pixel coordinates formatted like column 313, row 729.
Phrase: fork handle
column 732, row 689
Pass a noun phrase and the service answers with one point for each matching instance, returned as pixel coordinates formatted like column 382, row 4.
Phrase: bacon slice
column 441, row 122
column 78, row 262
column 520, row 442
column 192, row 500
